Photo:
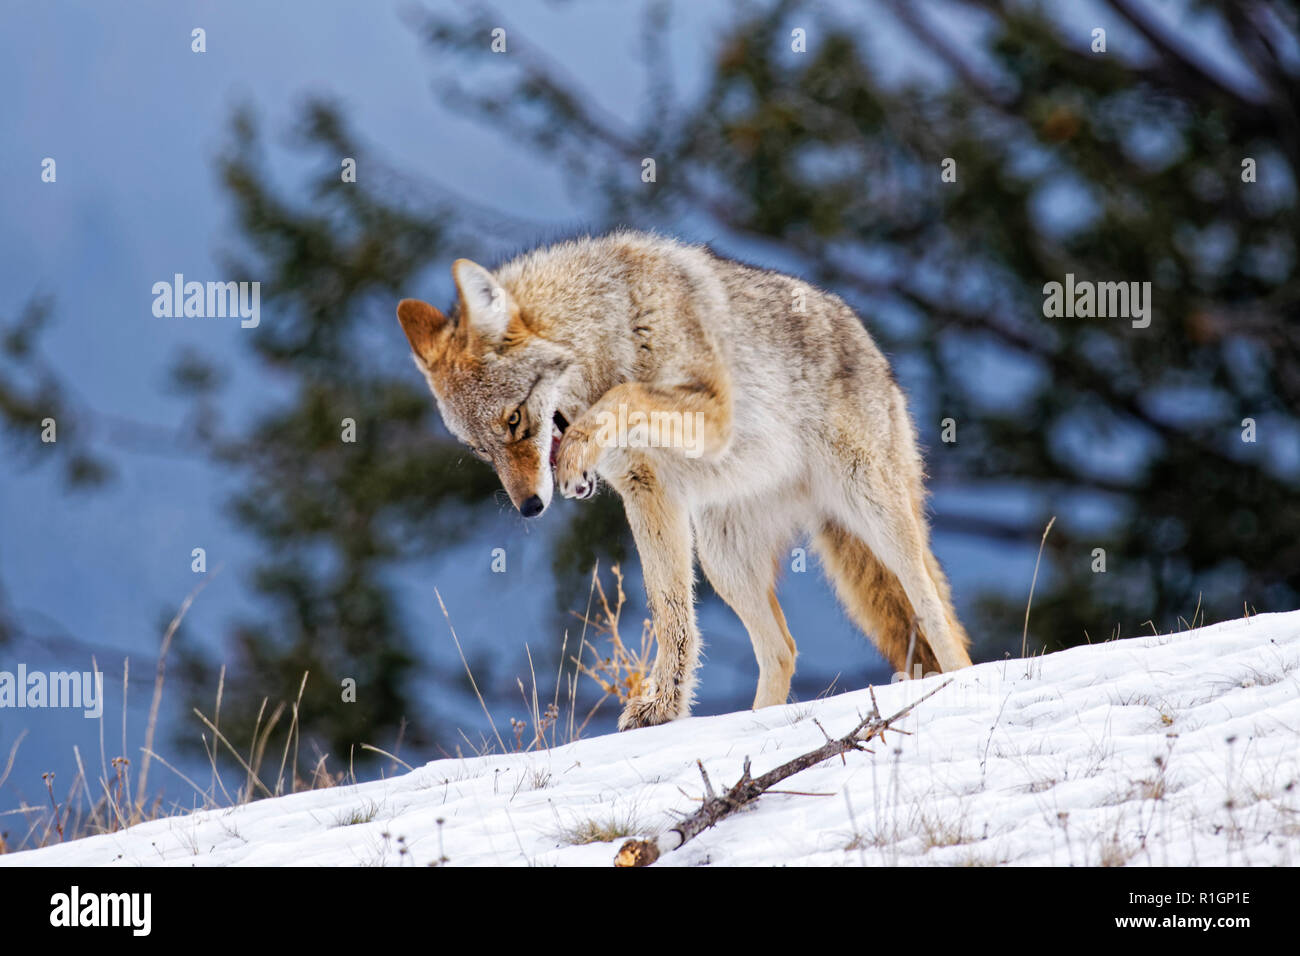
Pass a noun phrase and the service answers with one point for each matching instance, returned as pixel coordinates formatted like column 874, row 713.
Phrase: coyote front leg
column 662, row 529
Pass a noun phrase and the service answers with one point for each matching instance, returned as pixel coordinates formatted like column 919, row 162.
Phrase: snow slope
column 1173, row 749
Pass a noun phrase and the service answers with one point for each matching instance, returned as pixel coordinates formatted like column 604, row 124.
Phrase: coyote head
column 496, row 381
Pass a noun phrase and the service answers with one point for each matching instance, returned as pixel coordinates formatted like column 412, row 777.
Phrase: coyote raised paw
column 575, row 463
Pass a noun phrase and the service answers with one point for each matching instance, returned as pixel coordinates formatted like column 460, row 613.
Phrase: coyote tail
column 875, row 600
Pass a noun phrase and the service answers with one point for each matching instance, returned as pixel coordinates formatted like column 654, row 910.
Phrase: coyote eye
column 514, row 420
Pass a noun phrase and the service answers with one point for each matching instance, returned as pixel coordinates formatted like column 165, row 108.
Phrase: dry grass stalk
column 624, row 672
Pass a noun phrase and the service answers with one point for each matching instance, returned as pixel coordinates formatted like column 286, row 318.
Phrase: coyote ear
column 487, row 304
column 425, row 328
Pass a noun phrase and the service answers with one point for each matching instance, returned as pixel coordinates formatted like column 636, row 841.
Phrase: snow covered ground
column 1180, row 749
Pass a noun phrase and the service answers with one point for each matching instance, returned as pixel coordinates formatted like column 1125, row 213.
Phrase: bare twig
column 748, row 789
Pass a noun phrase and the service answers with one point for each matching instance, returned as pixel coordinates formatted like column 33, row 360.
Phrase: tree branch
column 988, row 89
column 748, row 789
column 1172, row 51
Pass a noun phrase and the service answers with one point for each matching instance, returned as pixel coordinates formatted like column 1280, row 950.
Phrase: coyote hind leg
column 877, row 603
column 877, row 547
column 737, row 548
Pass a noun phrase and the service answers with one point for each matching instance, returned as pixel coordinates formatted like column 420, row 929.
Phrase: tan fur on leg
column 876, row 601
column 662, row 531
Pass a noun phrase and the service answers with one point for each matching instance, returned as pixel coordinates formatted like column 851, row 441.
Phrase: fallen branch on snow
column 748, row 789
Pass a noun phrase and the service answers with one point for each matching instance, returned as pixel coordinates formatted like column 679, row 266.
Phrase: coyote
column 796, row 425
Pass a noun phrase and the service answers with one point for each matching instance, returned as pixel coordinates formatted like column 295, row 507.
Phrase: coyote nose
column 532, row 507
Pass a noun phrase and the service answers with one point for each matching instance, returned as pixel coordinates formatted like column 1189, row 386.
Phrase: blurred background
column 806, row 137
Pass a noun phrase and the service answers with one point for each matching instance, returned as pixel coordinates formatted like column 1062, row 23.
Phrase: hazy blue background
column 133, row 118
